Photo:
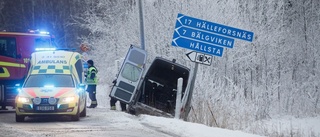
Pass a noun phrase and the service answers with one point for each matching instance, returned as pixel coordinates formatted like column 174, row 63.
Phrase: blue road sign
column 197, row 46
column 214, row 27
column 204, row 36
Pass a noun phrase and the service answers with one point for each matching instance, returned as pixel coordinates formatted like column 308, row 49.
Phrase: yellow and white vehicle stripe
column 4, row 65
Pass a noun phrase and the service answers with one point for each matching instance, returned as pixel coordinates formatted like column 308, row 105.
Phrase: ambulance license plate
column 45, row 108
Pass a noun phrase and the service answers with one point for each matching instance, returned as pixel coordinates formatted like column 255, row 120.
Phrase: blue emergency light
column 85, row 65
column 48, row 86
column 44, row 32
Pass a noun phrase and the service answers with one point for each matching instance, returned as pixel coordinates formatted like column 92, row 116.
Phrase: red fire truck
column 15, row 52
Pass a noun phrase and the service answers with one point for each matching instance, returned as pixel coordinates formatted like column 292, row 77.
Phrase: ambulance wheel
column 19, row 118
column 84, row 111
column 77, row 116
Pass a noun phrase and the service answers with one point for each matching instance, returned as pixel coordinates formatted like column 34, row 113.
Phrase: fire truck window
column 8, row 47
column 42, row 43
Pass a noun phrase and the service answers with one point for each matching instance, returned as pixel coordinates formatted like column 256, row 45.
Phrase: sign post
column 206, row 37
column 178, row 98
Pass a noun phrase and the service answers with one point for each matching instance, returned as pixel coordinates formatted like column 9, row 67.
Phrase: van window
column 131, row 72
column 8, row 47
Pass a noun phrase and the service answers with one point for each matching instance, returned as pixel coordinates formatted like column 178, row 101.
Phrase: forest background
column 275, row 75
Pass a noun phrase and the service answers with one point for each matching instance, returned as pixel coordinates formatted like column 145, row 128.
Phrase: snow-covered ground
column 187, row 129
column 289, row 126
column 280, row 126
column 102, row 121
column 173, row 127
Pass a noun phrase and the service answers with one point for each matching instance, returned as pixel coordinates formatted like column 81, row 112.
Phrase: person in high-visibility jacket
column 91, row 79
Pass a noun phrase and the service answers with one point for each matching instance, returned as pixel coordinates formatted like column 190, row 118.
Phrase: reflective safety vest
column 94, row 81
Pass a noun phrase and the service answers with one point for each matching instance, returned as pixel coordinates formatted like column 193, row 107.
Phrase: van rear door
column 129, row 75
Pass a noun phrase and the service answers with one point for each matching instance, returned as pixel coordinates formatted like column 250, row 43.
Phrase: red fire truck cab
column 15, row 53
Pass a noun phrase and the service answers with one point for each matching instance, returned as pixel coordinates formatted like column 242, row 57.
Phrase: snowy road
column 100, row 122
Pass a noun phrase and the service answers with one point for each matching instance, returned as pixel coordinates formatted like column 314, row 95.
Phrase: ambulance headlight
column 68, row 99
column 37, row 100
column 23, row 99
column 52, row 100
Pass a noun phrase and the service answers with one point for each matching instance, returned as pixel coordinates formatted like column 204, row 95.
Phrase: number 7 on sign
column 184, row 31
column 187, row 21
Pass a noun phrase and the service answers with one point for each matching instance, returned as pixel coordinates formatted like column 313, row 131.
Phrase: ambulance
column 54, row 86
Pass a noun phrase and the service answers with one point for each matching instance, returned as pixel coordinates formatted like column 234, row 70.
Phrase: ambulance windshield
column 55, row 80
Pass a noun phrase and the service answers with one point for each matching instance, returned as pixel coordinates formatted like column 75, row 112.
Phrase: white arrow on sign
column 200, row 58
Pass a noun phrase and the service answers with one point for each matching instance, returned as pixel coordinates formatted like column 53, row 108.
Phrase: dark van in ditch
column 151, row 90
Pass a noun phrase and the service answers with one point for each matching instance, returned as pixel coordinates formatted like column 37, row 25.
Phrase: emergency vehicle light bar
column 44, row 32
column 45, row 49
column 38, row 32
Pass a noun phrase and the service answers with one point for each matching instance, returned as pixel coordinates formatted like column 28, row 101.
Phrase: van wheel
column 77, row 116
column 19, row 118
column 132, row 111
column 84, row 111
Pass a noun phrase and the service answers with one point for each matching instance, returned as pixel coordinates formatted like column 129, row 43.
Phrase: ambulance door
column 129, row 75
